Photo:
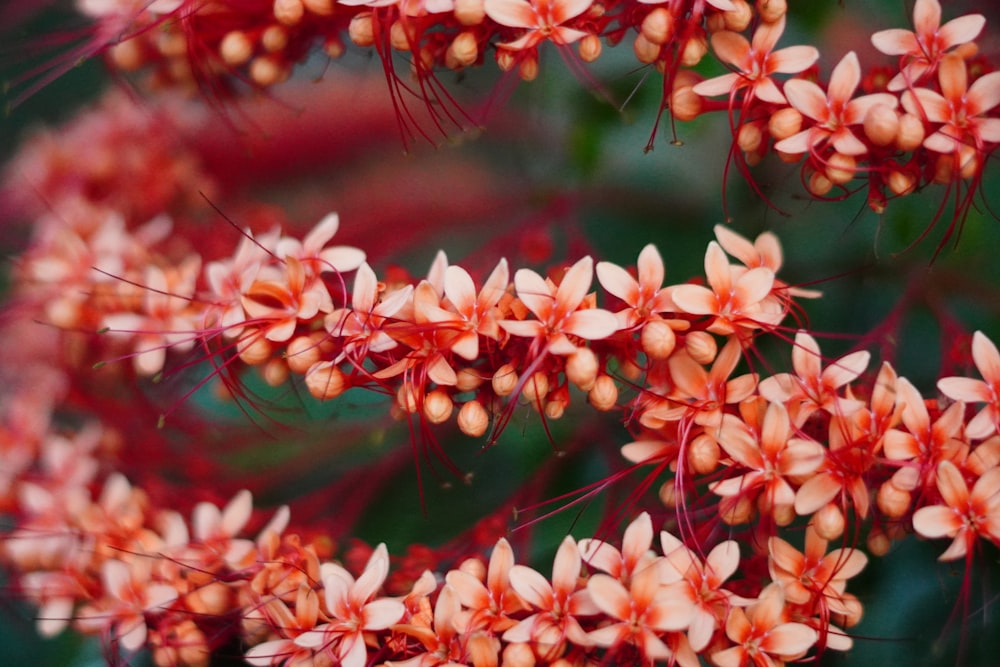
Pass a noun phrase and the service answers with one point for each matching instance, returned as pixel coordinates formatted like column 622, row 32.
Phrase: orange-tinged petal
column 717, row 269
column 733, row 48
column 650, row 268
column 511, row 13
column 965, row 389
column 591, row 324
column 895, row 41
column 952, row 486
column 574, row 286
column 961, row 30
column 380, row 614
column 793, row 59
column 566, row 567
column 806, row 356
column 719, row 85
column 816, row 492
column 845, row 78
column 789, row 639
column 767, row 35
column 564, row 10
column 846, row 369
column 617, row 281
column 532, row 587
column 695, row 300
column 984, row 352
column 610, row 596
column 936, row 521
column 925, row 102
column 953, row 77
column 847, row 563
column 926, row 16
column 534, row 292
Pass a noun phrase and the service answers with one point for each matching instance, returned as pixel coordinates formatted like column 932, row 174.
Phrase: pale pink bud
column 645, row 51
column 518, row 655
column 325, row 381
column 469, row 379
column 784, row 123
column 685, row 104
column 770, row 11
column 361, row 31
column 738, row 19
column 818, row 184
column 658, row 339
column 911, row 132
column 319, row 7
column 901, row 182
column 658, row 26
column 893, row 501
column 236, row 48
column 275, row 372
column 266, row 71
column 536, row 388
column 701, row 346
column 408, row 398
column 581, row 368
column 470, row 12
column 274, row 39
column 604, row 394
column 438, row 406
column 703, row 455
column 253, row 349
column 694, row 49
column 735, row 510
column 289, row 12
column 881, row 124
column 749, row 137
column 128, row 56
column 504, row 380
column 783, row 515
column 668, row 494
column 399, row 37
column 829, row 522
column 302, row 352
column 840, row 168
column 878, row 543
column 589, row 48
column 473, row 419
column 463, row 51
column 527, row 69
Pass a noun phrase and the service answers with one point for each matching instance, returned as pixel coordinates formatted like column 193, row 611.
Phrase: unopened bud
column 504, row 380
column 399, row 36
column 589, row 48
column 266, row 71
column 469, row 379
column 408, row 398
column 749, row 137
column 818, row 184
column 536, row 388
column 770, row 11
column 658, row 26
column 604, row 394
column 274, row 39
column 703, row 455
column 901, row 182
column 735, row 510
column 881, row 124
column 784, row 123
column 701, row 347
column 738, row 19
column 470, row 12
column 518, row 654
column 473, row 419
column 581, row 368
column 361, row 31
column 463, row 51
column 658, row 339
column 892, row 501
column 253, row 349
column 911, row 132
column 302, row 352
column 840, row 168
column 289, row 12
column 438, row 406
column 645, row 51
column 694, row 49
column 878, row 543
column 527, row 69
column 829, row 522
column 236, row 48
column 685, row 104
column 319, row 7
column 325, row 381
column 275, row 372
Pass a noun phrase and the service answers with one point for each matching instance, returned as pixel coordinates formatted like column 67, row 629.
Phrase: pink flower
column 921, row 51
column 833, row 111
column 987, row 390
column 963, row 515
column 645, row 296
column 543, row 20
column 755, row 62
column 762, row 634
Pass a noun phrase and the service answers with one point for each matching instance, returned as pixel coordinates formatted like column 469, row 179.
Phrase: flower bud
column 266, row 71
column 878, row 543
column 319, row 7
column 749, row 137
column 536, row 388
column 236, row 48
column 518, row 654
column 840, row 168
column 469, row 379
column 784, row 123
column 735, row 510
column 818, row 184
column 438, row 406
column 829, row 522
column 892, row 501
column 274, row 39
column 473, row 419
column 253, row 348
column 289, row 12
column 581, row 368
column 703, row 455
column 604, row 394
column 463, row 51
column 783, row 515
column 694, row 49
column 881, row 124
column 408, row 398
column 770, row 11
column 325, row 381
column 901, row 182
column 685, row 104
column 701, row 347
column 527, row 69
column 911, row 132
column 658, row 26
column 668, row 494
column 399, row 37
column 128, row 56
column 645, row 51
column 504, row 380
column 738, row 19
column 361, row 30
column 302, row 352
column 275, row 372
column 658, row 339
column 470, row 12
column 589, row 48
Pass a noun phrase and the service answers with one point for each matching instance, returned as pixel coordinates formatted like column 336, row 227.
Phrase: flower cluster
column 764, row 492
